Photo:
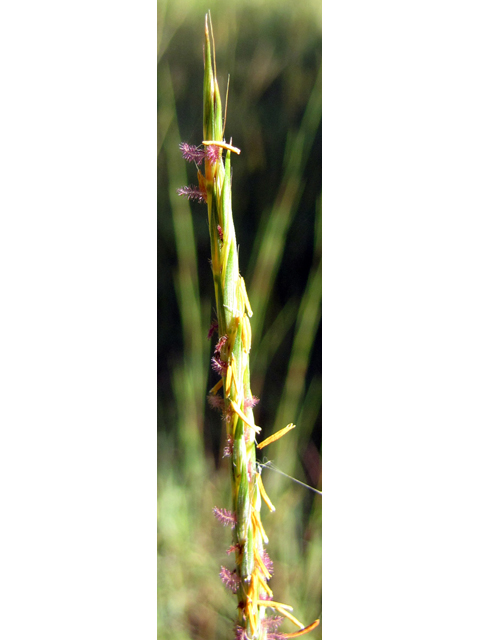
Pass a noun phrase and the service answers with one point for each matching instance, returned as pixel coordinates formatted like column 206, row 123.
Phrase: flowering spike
column 231, row 361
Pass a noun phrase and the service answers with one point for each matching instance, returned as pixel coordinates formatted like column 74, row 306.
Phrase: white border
column 401, row 337
column 78, row 320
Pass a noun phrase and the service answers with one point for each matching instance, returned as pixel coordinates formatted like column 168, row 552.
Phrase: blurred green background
column 272, row 51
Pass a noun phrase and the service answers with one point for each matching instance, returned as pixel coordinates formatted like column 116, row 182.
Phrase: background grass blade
column 276, row 223
column 189, row 375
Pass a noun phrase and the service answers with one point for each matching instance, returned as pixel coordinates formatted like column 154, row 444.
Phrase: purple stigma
column 220, row 344
column 225, row 516
column 191, row 153
column 240, row 633
column 216, row 402
column 213, row 328
column 213, row 153
column 267, row 562
column 250, row 402
column 219, row 366
column 272, row 623
column 192, row 193
column 230, row 579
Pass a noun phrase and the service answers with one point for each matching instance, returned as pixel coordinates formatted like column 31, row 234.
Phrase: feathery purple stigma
column 220, row 232
column 240, row 633
column 232, row 548
column 216, row 402
column 272, row 623
column 213, row 328
column 219, row 366
column 250, row 402
column 220, row 343
column 230, row 579
column 267, row 562
column 225, row 516
column 191, row 153
column 192, row 193
column 213, row 153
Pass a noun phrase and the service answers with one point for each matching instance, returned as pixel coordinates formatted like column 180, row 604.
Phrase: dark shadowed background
column 273, row 55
